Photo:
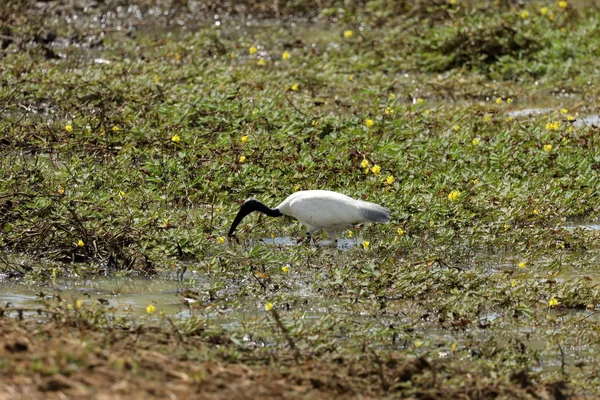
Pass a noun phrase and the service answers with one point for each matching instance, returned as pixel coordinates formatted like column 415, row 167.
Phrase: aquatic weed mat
column 129, row 136
column 132, row 150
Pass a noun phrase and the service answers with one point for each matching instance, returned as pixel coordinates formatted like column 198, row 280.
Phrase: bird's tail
column 374, row 212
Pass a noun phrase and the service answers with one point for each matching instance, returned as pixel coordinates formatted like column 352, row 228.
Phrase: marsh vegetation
column 130, row 134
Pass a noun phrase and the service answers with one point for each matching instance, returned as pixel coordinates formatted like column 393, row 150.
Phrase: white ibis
column 318, row 209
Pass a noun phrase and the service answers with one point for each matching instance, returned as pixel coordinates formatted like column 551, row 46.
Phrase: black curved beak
column 245, row 209
column 249, row 206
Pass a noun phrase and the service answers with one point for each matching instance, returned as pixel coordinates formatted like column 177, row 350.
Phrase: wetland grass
column 129, row 134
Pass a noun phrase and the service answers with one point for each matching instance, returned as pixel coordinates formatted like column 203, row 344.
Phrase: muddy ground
column 63, row 357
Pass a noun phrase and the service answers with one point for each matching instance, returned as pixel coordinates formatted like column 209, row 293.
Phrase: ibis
column 318, row 210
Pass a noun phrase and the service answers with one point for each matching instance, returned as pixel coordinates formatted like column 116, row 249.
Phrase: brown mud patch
column 63, row 358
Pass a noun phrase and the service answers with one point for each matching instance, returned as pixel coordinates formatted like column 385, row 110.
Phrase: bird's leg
column 333, row 236
column 309, row 231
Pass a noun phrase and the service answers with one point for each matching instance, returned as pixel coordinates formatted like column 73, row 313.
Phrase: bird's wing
column 326, row 211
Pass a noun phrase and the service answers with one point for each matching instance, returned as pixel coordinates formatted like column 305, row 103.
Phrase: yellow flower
column 285, row 55
column 389, row 111
column 563, row 4
column 454, row 346
column 547, row 147
column 553, row 126
column 570, row 118
column 509, row 100
column 522, row 264
column 510, row 118
column 80, row 243
column 453, row 195
column 115, row 128
column 150, row 309
column 376, row 169
column 294, row 87
column 175, row 139
column 391, row 97
column 536, row 211
column 564, row 111
column 242, row 159
column 400, row 232
column 453, row 2
column 506, row 226
column 351, row 78
column 348, row 34
column 456, row 128
column 165, row 223
column 365, row 163
column 220, row 240
column 369, row 123
column 297, row 187
column 366, row 245
column 475, row 141
column 350, row 234
column 68, row 128
column 524, row 14
column 418, row 343
column 268, row 306
column 544, row 10
column 244, row 138
column 499, row 100
column 487, row 118
column 156, row 79
column 261, row 62
column 78, row 303
column 513, row 283
column 427, row 112
column 389, row 180
column 475, row 181
column 60, row 190
column 285, row 269
column 553, row 302
column 252, row 50
column 571, row 129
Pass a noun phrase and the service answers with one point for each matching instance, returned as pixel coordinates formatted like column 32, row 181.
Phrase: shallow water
column 529, row 111
column 589, row 120
column 129, row 295
column 585, row 225
column 343, row 244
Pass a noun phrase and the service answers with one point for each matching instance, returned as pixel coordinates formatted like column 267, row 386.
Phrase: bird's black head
column 249, row 206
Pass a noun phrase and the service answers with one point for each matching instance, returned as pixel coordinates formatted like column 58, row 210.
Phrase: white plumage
column 319, row 209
